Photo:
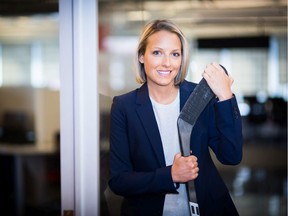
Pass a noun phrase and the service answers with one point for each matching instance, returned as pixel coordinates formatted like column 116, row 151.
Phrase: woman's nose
column 166, row 61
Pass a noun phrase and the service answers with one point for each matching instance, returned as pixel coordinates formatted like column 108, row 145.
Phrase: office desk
column 25, row 168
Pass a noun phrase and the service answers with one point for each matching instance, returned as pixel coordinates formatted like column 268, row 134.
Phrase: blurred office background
column 248, row 37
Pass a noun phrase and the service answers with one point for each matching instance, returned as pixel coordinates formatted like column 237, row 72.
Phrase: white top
column 166, row 117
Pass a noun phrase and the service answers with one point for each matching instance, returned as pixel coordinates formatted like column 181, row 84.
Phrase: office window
column 16, row 64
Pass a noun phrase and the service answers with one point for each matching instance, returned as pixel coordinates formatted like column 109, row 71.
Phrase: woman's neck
column 163, row 94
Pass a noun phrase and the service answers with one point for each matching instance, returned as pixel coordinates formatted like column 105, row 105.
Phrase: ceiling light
column 138, row 15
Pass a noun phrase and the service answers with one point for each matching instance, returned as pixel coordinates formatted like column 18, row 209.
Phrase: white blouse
column 166, row 117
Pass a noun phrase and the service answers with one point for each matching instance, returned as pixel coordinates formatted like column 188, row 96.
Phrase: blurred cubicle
column 248, row 37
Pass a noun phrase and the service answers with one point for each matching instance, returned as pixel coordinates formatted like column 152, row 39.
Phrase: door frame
column 79, row 108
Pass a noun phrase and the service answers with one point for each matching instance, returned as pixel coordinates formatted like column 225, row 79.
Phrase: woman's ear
column 141, row 59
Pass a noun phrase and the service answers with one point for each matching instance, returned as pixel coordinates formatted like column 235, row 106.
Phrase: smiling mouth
column 162, row 72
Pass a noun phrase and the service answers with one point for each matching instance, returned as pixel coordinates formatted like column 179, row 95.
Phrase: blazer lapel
column 147, row 117
column 184, row 93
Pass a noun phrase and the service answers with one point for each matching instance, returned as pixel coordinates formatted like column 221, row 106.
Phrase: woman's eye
column 176, row 54
column 156, row 52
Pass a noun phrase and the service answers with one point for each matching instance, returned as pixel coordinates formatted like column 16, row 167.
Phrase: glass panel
column 29, row 115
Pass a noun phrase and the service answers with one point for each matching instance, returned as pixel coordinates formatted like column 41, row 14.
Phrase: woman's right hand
column 184, row 169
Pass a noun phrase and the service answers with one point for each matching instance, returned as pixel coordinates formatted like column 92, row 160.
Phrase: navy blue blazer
column 137, row 164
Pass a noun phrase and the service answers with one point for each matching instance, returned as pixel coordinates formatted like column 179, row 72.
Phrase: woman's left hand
column 219, row 82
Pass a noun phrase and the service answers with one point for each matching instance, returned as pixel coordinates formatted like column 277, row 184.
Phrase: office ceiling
column 27, row 7
column 197, row 18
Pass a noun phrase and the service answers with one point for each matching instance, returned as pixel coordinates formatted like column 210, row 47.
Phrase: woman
column 146, row 165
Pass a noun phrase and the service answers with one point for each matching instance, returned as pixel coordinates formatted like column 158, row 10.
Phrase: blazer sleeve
column 226, row 132
column 127, row 179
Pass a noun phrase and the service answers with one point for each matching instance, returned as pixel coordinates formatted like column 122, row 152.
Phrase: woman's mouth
column 164, row 72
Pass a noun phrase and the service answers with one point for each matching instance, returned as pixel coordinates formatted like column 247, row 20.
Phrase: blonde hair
column 151, row 28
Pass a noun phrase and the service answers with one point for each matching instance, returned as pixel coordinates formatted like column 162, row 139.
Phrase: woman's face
column 162, row 58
